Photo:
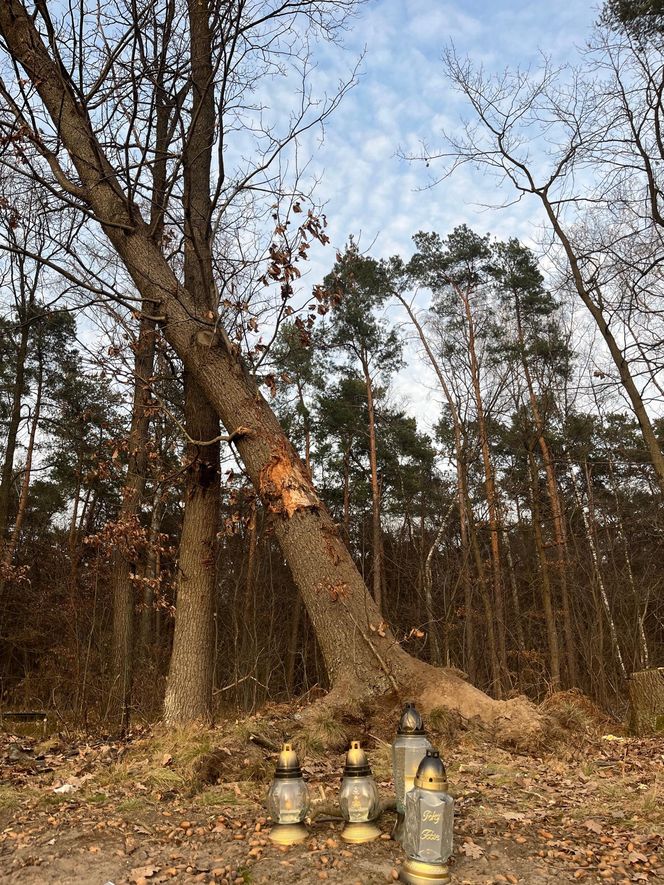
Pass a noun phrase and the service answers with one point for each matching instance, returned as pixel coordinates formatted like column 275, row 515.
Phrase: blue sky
column 403, row 98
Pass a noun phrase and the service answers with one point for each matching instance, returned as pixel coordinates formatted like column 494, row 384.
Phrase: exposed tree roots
column 443, row 696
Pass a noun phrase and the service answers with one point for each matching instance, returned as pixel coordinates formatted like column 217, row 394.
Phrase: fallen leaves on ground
column 593, row 814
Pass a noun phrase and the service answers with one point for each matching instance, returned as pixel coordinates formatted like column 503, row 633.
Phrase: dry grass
column 321, row 732
column 571, row 711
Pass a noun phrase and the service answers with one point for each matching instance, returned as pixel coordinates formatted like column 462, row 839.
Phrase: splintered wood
column 285, row 488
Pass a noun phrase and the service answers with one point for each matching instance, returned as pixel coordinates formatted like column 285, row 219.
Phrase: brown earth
column 145, row 811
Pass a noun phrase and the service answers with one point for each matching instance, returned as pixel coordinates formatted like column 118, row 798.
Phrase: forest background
column 512, row 532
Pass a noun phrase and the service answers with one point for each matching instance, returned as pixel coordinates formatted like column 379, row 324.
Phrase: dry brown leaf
column 139, row 873
column 472, row 849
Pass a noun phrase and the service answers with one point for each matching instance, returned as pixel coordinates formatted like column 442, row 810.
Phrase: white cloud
column 402, row 99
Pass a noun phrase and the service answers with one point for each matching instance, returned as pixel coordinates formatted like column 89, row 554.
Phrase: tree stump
column 646, row 702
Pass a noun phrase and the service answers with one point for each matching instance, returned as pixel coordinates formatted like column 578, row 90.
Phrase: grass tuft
column 9, row 798
column 322, row 733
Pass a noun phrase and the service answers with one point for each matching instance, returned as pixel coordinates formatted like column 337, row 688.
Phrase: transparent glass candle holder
column 358, row 798
column 288, row 800
column 408, row 750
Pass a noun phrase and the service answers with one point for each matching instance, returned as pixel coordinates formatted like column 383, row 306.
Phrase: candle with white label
column 429, row 825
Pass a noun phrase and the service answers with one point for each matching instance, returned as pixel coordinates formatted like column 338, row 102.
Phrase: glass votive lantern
column 408, row 750
column 429, row 824
column 288, row 799
column 358, row 798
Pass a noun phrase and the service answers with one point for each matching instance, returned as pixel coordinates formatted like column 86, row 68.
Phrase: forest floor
column 188, row 807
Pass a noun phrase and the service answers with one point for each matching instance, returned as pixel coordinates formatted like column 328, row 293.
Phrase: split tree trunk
column 360, row 664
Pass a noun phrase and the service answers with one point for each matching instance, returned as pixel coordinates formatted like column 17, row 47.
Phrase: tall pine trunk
column 7, row 476
column 376, row 529
column 490, row 489
column 559, row 533
column 122, row 569
column 470, row 660
column 545, row 583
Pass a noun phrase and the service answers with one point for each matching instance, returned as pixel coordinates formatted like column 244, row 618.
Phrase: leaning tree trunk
column 617, row 354
column 359, row 662
column 646, row 702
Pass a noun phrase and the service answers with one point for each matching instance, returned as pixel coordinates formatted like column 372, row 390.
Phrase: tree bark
column 376, row 529
column 646, row 702
column 12, row 431
column 559, row 533
column 191, row 672
column 190, row 676
column 545, row 588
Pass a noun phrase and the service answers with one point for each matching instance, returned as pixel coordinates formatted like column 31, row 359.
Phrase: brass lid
column 288, row 765
column 431, row 773
column 357, row 764
column 411, row 721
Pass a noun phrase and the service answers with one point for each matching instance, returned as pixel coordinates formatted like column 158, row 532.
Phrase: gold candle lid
column 288, row 765
column 431, row 773
column 357, row 764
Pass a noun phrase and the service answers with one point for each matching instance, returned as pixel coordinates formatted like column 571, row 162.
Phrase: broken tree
column 360, row 663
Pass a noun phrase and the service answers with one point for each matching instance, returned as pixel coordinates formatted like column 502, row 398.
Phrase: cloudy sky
column 402, row 98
